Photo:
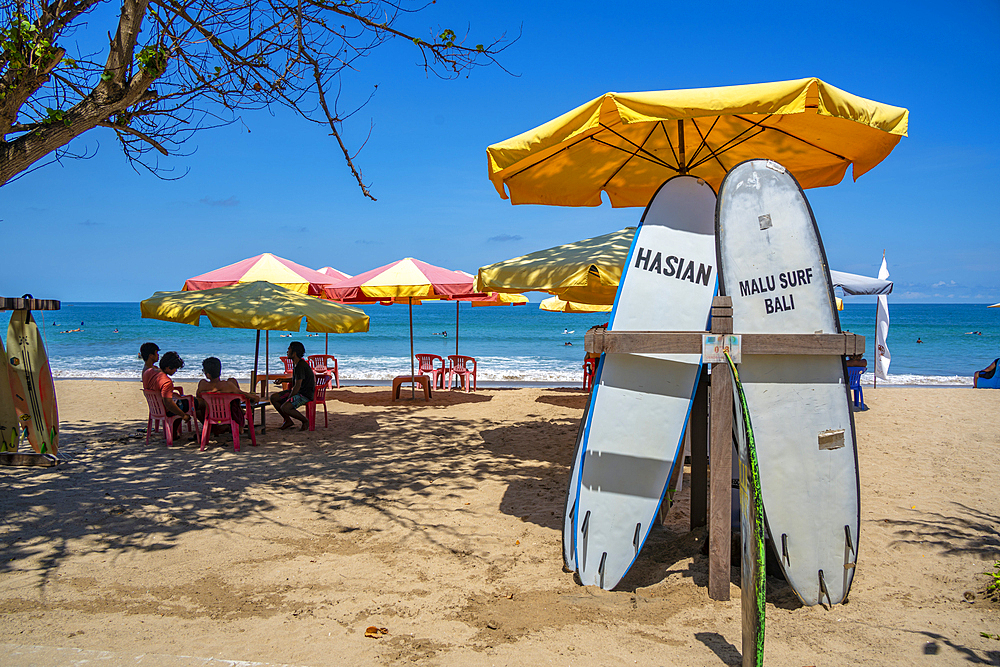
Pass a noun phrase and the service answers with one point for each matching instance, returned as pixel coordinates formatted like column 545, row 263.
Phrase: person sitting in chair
column 302, row 391
column 162, row 383
column 857, row 360
column 985, row 374
column 150, row 353
column 212, row 368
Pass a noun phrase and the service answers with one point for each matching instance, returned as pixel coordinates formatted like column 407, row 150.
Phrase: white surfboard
column 773, row 265
column 640, row 403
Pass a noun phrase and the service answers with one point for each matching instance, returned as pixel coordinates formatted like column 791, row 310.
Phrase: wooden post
column 699, row 453
column 720, row 480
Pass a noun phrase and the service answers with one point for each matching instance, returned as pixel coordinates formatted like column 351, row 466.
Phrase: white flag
column 882, row 356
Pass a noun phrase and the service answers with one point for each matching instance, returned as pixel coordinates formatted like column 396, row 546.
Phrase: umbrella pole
column 680, row 147
column 326, row 350
column 875, row 347
column 456, row 326
column 413, row 371
column 253, row 382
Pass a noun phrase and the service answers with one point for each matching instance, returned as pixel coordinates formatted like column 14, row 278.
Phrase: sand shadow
column 571, row 402
column 545, row 452
column 969, row 532
column 382, row 399
column 971, row 656
column 726, row 652
column 117, row 494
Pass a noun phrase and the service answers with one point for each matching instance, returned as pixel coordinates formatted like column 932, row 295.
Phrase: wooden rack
column 711, row 430
column 7, row 303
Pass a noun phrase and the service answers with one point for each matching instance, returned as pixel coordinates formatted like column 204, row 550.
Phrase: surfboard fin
column 823, row 590
column 784, row 549
column 635, row 538
column 849, row 564
column 600, row 568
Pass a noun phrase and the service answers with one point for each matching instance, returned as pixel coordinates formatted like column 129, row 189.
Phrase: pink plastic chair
column 325, row 363
column 217, row 411
column 322, row 382
column 427, row 367
column 589, row 370
column 158, row 414
column 289, row 364
column 459, row 365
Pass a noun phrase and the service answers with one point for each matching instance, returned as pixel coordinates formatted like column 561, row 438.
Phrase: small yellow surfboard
column 10, row 431
column 32, row 388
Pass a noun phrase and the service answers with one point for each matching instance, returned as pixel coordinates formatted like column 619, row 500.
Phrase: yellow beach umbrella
column 257, row 305
column 585, row 271
column 499, row 299
column 628, row 144
column 556, row 305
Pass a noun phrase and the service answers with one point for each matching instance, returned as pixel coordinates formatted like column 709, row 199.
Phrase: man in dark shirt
column 303, row 389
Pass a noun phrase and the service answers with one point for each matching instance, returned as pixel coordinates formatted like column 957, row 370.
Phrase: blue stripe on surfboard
column 582, row 450
column 594, row 389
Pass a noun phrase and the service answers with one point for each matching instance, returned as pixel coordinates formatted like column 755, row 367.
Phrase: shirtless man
column 214, row 383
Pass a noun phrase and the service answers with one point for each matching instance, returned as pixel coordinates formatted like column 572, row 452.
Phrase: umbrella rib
column 547, row 158
column 729, row 146
column 666, row 135
column 712, row 154
column 789, row 134
column 639, row 152
column 704, row 142
column 626, row 161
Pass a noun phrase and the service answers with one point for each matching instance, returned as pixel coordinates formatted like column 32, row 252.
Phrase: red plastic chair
column 217, row 411
column 158, row 414
column 459, row 365
column 427, row 367
column 589, row 370
column 289, row 364
column 325, row 363
column 322, row 383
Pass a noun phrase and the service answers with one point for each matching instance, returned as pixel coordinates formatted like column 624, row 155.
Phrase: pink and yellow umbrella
column 269, row 268
column 334, row 273
column 406, row 280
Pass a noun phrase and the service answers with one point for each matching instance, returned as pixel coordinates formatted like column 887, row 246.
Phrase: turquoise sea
column 513, row 345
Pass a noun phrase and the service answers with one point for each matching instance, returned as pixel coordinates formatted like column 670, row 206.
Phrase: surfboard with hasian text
column 773, row 265
column 639, row 406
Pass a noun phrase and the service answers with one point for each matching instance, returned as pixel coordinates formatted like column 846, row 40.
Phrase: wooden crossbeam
column 679, row 342
column 7, row 303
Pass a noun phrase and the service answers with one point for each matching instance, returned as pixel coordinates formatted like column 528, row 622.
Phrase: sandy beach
column 441, row 522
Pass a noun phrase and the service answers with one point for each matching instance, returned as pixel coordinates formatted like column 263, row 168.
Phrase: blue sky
column 96, row 230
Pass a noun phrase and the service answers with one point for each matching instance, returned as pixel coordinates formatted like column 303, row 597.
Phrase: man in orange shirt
column 164, row 385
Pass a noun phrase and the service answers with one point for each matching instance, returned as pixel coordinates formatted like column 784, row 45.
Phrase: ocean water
column 513, row 345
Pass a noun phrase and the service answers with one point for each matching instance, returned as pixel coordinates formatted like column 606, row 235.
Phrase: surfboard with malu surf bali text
column 773, row 265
